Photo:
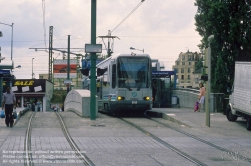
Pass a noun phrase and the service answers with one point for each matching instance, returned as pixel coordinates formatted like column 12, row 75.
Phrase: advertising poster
column 60, row 68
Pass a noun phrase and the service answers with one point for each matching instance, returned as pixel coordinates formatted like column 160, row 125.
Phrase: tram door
column 163, row 95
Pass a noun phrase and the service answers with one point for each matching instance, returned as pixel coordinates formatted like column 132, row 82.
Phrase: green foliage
column 199, row 64
column 229, row 22
column 58, row 96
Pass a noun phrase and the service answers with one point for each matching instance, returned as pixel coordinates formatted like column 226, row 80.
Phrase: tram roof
column 116, row 55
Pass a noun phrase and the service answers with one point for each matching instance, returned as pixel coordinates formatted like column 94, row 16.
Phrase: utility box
column 78, row 100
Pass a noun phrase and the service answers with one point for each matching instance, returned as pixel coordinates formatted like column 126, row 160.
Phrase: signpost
column 5, row 72
column 67, row 83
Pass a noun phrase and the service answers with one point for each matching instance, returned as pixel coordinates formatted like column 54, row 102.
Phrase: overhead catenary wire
column 128, row 15
column 123, row 21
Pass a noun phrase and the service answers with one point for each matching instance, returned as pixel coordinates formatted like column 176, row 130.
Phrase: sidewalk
column 197, row 120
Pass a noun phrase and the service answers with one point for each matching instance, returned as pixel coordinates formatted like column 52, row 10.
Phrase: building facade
column 184, row 66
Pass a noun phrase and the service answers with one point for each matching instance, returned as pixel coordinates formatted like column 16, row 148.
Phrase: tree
column 229, row 22
column 199, row 64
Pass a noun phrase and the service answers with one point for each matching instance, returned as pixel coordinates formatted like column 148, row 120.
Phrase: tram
column 124, row 83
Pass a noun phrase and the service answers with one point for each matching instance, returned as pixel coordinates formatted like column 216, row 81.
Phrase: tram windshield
column 133, row 72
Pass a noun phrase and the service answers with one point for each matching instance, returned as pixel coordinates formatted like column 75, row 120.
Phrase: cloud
column 162, row 28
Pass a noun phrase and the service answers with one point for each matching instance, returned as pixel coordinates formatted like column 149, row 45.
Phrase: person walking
column 8, row 103
column 201, row 96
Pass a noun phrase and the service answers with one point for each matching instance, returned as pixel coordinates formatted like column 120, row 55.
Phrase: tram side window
column 113, row 76
column 105, row 81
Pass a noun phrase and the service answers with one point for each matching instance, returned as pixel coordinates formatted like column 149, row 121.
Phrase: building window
column 183, row 63
column 189, row 57
column 189, row 63
column 177, row 63
column 182, row 77
column 188, row 70
column 188, row 77
column 41, row 77
column 182, row 70
column 183, row 57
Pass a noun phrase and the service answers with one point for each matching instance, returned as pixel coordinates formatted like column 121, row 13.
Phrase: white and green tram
column 117, row 95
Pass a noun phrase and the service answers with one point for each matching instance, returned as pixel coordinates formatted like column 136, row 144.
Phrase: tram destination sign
column 160, row 74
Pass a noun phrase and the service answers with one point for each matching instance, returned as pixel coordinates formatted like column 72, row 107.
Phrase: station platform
column 109, row 141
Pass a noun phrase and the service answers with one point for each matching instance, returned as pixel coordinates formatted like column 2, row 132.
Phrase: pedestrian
column 33, row 107
column 154, row 91
column 201, row 96
column 38, row 105
column 8, row 103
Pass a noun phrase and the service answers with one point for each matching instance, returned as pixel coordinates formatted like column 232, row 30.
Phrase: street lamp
column 11, row 37
column 32, row 74
column 131, row 48
column 208, row 85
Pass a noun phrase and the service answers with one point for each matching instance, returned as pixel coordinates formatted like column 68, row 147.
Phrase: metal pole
column 32, row 70
column 68, row 63
column 11, row 37
column 109, row 50
column 208, row 93
column 12, row 41
column 93, row 61
column 1, row 90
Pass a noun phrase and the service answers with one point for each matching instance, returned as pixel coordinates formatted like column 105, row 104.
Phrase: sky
column 163, row 28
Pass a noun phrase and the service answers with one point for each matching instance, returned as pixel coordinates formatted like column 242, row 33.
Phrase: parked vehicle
column 240, row 98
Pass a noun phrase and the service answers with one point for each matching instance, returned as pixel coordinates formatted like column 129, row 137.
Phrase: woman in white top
column 201, row 96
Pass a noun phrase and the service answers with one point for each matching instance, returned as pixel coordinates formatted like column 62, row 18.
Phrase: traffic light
column 204, row 77
column 85, row 71
column 101, row 72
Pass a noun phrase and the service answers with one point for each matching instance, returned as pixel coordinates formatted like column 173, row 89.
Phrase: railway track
column 199, row 139
column 176, row 150
column 233, row 155
column 28, row 160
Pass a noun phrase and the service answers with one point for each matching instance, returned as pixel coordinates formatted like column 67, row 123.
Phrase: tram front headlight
column 121, row 98
column 147, row 98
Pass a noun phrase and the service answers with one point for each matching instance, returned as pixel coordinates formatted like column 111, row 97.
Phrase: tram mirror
column 101, row 72
column 85, row 71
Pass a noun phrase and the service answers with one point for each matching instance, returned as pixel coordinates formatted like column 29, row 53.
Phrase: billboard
column 60, row 68
column 28, row 85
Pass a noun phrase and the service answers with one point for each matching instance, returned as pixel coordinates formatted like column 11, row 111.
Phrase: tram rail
column 199, row 139
column 28, row 160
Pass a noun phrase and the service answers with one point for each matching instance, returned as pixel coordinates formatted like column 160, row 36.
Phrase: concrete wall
column 187, row 98
column 78, row 100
